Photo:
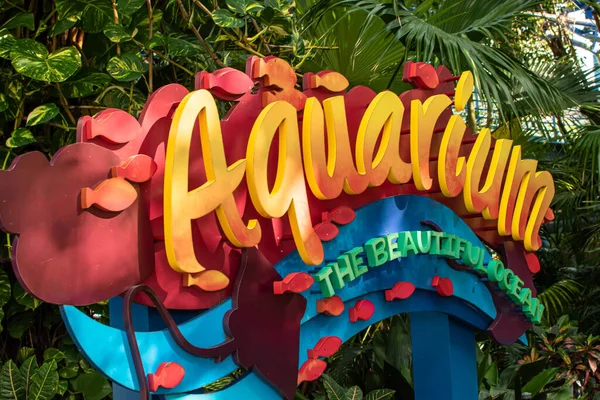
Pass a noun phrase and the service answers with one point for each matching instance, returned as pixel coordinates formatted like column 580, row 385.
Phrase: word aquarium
column 502, row 187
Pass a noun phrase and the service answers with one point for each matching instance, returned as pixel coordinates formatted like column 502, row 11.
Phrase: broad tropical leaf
column 31, row 59
column 44, row 382
column 42, row 114
column 12, row 385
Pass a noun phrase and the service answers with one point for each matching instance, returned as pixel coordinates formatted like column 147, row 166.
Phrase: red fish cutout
column 342, row 215
column 114, row 194
column 326, row 231
column 533, row 263
column 423, row 75
column 326, row 347
column 331, row 306
column 401, row 290
column 363, row 310
column 311, row 370
column 296, row 282
column 168, row 375
column 227, row 84
column 113, row 125
column 138, row 168
column 443, row 286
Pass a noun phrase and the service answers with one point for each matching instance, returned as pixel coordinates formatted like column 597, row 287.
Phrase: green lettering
column 461, row 247
column 514, row 288
column 525, row 296
column 324, row 282
column 539, row 314
column 531, row 308
column 505, row 282
column 357, row 263
column 337, row 279
column 435, row 243
column 346, row 270
column 424, row 241
column 377, row 252
column 393, row 246
column 447, row 245
column 495, row 270
column 471, row 254
column 408, row 245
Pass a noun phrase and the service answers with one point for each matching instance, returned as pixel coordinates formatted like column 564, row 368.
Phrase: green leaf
column 62, row 25
column 19, row 294
column 31, row 59
column 117, row 33
column 53, row 354
column 70, row 371
column 129, row 6
column 96, row 15
column 1, row 318
column 19, row 324
column 354, row 393
column 93, row 386
column 11, row 382
column 381, row 394
column 126, row 68
column 27, row 370
column 226, row 19
column 24, row 353
column 44, row 382
column 6, row 43
column 182, row 48
column 85, row 83
column 69, row 9
column 4, row 283
column 19, row 138
column 333, row 389
column 19, row 20
column 62, row 387
column 244, row 7
column 538, row 382
column 42, row 114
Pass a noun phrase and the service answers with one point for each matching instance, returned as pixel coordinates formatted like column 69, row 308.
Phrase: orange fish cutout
column 210, row 280
column 326, row 347
column 401, row 290
column 331, row 306
column 296, row 282
column 330, row 80
column 138, row 168
column 168, row 375
column 114, row 194
column 363, row 310
column 311, row 370
column 443, row 286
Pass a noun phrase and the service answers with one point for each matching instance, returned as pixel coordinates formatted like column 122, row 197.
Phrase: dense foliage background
column 62, row 59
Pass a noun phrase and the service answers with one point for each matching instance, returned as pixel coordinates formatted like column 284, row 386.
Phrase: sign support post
column 444, row 357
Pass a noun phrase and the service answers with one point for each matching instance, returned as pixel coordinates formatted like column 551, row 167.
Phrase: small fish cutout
column 331, row 306
column 342, row 215
column 168, row 375
column 332, row 81
column 326, row 231
column 227, row 83
column 311, row 370
column 423, row 75
column 114, row 194
column 401, row 290
column 326, row 347
column 443, row 286
column 363, row 310
column 113, row 125
column 296, row 282
column 138, row 168
column 210, row 280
